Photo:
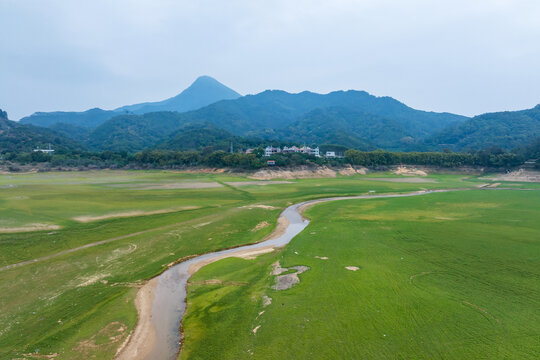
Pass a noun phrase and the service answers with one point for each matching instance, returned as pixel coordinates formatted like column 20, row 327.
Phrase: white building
column 330, row 154
column 303, row 150
column 292, row 149
column 310, row 151
column 48, row 151
column 270, row 150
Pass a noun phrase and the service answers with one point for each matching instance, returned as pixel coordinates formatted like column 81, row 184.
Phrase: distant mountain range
column 508, row 130
column 210, row 114
column 352, row 116
column 204, row 91
column 15, row 137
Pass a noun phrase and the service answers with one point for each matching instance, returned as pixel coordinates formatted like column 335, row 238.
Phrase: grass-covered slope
column 450, row 275
column 80, row 305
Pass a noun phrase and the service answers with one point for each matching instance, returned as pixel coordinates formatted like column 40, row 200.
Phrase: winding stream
column 169, row 304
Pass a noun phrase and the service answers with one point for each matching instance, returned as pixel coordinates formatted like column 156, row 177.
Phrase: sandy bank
column 140, row 342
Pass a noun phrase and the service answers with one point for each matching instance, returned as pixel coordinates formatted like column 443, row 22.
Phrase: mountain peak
column 209, row 84
column 206, row 78
column 205, row 90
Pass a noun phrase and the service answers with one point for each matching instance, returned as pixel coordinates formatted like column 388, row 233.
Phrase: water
column 170, row 294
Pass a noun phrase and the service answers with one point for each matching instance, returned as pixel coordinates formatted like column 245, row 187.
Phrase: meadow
column 104, row 233
column 442, row 276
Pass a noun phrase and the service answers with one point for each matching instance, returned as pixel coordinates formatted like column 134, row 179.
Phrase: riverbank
column 171, row 287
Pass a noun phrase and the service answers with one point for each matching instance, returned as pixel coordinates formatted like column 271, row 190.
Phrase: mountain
column 71, row 131
column 15, row 137
column 86, row 119
column 200, row 136
column 352, row 118
column 507, row 130
column 204, row 91
column 134, row 132
column 274, row 109
column 338, row 125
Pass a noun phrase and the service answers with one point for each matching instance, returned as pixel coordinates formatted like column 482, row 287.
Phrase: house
column 303, row 150
column 249, row 151
column 334, row 154
column 270, row 150
column 289, row 150
column 271, row 162
column 48, row 151
column 310, row 151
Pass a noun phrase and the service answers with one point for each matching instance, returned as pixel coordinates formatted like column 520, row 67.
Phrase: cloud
column 461, row 56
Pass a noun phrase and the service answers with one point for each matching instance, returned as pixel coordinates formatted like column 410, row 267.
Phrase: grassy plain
column 80, row 304
column 442, row 276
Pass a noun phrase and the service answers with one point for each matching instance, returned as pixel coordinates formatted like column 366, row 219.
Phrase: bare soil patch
column 114, row 332
column 126, row 214
column 141, row 341
column 28, row 228
column 260, row 226
column 409, row 171
column 265, row 207
column 86, row 281
column 302, row 173
column 284, row 282
column 41, row 356
column 415, row 180
column 256, row 183
column 266, row 300
column 520, row 175
column 350, row 170
column 180, row 185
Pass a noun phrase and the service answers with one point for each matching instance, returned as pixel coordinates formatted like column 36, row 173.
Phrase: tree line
column 493, row 157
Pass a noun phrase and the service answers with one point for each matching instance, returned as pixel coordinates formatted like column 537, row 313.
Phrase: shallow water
column 169, row 296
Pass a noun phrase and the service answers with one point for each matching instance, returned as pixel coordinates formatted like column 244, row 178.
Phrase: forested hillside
column 508, row 130
column 206, row 136
column 351, row 118
column 15, row 137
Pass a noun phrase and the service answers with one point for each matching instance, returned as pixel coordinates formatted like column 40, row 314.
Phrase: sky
column 466, row 57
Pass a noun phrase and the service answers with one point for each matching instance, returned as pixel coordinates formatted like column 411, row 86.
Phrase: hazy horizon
column 432, row 55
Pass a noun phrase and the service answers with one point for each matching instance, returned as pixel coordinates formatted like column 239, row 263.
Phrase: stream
column 170, row 293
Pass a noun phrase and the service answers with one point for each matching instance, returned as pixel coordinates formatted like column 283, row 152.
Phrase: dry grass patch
column 127, row 214
column 28, row 228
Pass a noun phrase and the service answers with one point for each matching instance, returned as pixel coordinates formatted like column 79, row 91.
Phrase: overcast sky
column 461, row 56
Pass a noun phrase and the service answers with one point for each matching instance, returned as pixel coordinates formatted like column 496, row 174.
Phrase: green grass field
column 442, row 276
column 80, row 304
